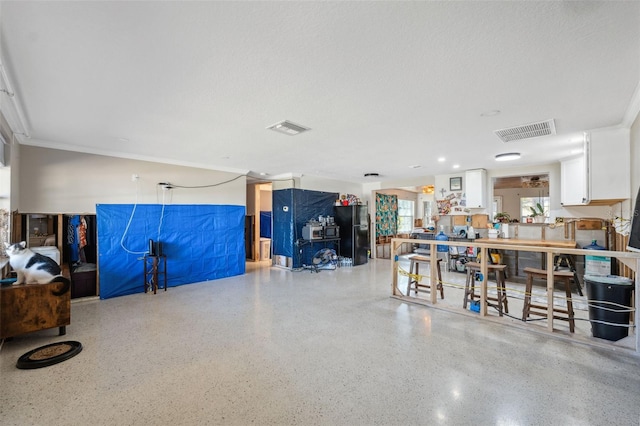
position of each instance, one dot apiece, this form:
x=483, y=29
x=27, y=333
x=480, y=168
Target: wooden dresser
x=32, y=307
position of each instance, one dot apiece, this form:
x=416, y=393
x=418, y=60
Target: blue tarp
x=265, y=224
x=202, y=242
x=292, y=209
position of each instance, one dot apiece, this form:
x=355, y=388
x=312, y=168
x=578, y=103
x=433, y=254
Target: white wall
x=315, y=183
x=55, y=181
x=266, y=198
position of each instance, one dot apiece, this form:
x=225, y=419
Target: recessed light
x=456, y=166
x=507, y=156
x=415, y=166
x=123, y=140
x=491, y=113
x=577, y=151
x=441, y=160
x=371, y=174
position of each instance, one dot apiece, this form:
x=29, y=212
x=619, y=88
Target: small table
x=154, y=267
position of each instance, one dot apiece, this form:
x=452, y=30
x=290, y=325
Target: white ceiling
x=382, y=85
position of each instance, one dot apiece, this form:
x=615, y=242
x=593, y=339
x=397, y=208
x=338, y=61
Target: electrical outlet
x=134, y=177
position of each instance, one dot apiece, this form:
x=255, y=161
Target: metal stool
x=529, y=308
x=501, y=293
x=414, y=269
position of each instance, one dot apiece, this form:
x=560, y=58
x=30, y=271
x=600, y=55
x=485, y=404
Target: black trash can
x=605, y=294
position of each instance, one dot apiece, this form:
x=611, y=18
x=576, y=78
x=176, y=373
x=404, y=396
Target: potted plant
x=502, y=217
x=537, y=213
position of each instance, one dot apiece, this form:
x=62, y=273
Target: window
x=429, y=211
x=405, y=216
x=526, y=203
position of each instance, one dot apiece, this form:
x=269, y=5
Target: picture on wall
x=455, y=184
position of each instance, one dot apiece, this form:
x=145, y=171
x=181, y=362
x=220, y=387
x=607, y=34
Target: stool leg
x=503, y=291
x=499, y=293
x=572, y=268
x=567, y=287
x=409, y=279
x=527, y=297
x=417, y=279
x=440, y=286
x=466, y=288
x=472, y=287
x=577, y=281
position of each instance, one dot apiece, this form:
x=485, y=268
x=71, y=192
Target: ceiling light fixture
x=456, y=166
x=415, y=166
x=288, y=128
x=507, y=156
x=491, y=113
x=428, y=189
x=441, y=160
x=371, y=174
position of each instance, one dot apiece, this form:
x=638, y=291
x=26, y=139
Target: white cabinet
x=573, y=190
x=609, y=165
x=602, y=174
x=476, y=188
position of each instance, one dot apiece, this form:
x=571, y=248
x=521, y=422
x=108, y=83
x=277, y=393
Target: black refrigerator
x=354, y=232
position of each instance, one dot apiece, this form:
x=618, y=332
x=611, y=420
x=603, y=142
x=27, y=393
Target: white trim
x=17, y=109
x=633, y=109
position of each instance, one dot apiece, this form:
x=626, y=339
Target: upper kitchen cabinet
x=476, y=188
x=600, y=176
x=573, y=190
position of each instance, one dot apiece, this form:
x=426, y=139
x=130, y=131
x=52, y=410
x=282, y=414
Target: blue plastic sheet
x=292, y=208
x=265, y=224
x=201, y=242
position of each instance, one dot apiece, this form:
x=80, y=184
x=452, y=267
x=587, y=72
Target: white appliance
x=49, y=251
x=505, y=231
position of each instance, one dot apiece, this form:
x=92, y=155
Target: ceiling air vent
x=533, y=130
x=288, y=128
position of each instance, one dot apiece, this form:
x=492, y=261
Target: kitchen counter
x=533, y=243
x=517, y=260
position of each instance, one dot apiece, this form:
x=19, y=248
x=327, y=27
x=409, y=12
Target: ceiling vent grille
x=288, y=128
x=533, y=130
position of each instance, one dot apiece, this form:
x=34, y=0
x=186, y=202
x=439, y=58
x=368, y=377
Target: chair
x=414, y=269
x=474, y=268
x=530, y=308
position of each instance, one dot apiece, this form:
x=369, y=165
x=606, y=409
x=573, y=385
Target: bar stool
x=529, y=308
x=414, y=269
x=470, y=285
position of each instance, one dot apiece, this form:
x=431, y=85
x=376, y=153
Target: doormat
x=47, y=355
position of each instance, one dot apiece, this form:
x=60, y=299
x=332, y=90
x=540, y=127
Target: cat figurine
x=35, y=268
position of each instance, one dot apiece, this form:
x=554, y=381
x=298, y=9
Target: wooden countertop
x=537, y=243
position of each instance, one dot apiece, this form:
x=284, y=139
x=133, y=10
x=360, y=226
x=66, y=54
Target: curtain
x=386, y=214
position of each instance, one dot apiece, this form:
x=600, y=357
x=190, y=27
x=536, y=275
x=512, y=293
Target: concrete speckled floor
x=274, y=347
